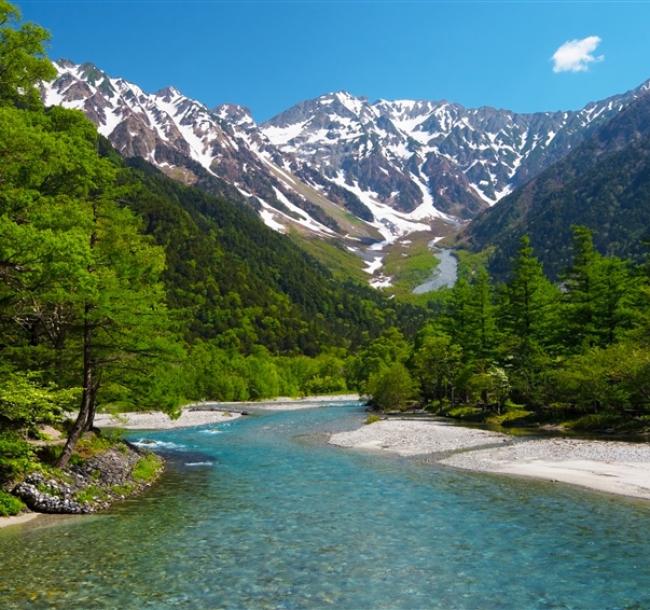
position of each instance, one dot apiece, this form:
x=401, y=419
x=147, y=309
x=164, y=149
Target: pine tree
x=597, y=297
x=580, y=281
x=527, y=316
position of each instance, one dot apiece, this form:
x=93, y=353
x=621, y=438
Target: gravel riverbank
x=203, y=413
x=610, y=466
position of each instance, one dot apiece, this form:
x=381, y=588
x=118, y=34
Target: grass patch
x=92, y=493
x=514, y=417
x=372, y=418
x=466, y=412
x=123, y=490
x=147, y=468
x=92, y=445
x=9, y=505
x=341, y=262
x=409, y=264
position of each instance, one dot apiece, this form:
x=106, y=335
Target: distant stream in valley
x=443, y=275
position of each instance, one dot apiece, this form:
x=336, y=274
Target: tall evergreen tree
x=598, y=292
x=527, y=315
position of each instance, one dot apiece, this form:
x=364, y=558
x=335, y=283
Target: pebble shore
x=610, y=466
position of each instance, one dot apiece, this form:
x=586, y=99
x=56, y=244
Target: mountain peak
x=168, y=93
x=234, y=113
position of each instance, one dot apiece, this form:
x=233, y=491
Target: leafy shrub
x=15, y=456
x=391, y=387
x=9, y=505
x=372, y=418
x=596, y=422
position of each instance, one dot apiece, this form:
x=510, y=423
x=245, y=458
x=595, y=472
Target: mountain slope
x=359, y=174
x=242, y=284
x=406, y=151
x=604, y=184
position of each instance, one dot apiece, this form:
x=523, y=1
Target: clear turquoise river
x=260, y=513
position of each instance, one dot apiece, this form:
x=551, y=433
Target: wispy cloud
x=576, y=55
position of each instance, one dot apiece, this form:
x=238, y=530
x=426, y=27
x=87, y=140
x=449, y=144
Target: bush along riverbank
x=102, y=471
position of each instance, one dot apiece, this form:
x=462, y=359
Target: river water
x=260, y=513
x=444, y=275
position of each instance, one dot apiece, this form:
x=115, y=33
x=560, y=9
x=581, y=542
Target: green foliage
x=147, y=468
x=25, y=402
x=235, y=282
x=372, y=419
x=9, y=505
x=490, y=387
x=388, y=349
x=466, y=412
x=391, y=387
x=560, y=354
x=16, y=456
x=596, y=422
x=615, y=378
x=23, y=64
x=436, y=364
x=213, y=373
x=598, y=291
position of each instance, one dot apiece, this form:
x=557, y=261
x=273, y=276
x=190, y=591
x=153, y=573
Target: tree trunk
x=87, y=406
x=90, y=420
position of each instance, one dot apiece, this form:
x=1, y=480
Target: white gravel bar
x=609, y=466
x=202, y=413
x=410, y=438
x=161, y=421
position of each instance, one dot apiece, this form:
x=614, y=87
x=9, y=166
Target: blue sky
x=270, y=55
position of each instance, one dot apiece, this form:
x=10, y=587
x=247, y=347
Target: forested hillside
x=604, y=184
x=123, y=289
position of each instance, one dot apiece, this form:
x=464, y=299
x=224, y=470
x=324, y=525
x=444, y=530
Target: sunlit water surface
x=261, y=513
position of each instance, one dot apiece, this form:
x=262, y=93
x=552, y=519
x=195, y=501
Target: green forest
x=526, y=350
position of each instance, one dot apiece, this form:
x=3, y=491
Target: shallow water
x=443, y=275
x=262, y=514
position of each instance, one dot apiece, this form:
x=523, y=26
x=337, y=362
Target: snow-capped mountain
x=337, y=166
x=185, y=139
x=407, y=151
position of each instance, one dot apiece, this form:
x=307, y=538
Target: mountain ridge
x=603, y=184
x=338, y=167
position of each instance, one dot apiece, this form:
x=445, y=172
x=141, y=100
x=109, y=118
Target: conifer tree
x=527, y=313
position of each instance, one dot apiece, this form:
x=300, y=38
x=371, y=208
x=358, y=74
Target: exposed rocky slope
x=603, y=184
x=337, y=167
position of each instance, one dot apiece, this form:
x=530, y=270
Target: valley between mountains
x=352, y=180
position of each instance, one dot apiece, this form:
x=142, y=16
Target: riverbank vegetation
x=527, y=350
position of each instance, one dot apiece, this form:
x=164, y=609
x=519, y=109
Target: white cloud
x=576, y=55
